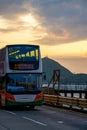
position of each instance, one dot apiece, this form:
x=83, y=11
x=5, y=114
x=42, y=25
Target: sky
x=58, y=26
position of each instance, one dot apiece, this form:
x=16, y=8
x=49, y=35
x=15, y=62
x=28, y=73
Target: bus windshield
x=23, y=82
x=23, y=57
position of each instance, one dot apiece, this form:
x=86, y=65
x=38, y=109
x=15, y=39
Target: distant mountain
x=66, y=76
x=78, y=79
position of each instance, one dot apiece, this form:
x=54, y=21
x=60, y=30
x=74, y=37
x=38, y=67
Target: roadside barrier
x=60, y=101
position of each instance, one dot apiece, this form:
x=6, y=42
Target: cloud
x=9, y=9
x=65, y=19
x=59, y=21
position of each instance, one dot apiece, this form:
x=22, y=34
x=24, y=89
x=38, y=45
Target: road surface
x=42, y=118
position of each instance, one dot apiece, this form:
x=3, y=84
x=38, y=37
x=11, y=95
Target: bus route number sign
x=23, y=66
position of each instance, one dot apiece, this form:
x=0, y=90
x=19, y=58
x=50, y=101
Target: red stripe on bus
x=39, y=96
x=10, y=97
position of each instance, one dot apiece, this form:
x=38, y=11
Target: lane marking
x=11, y=112
x=60, y=122
x=2, y=127
x=37, y=122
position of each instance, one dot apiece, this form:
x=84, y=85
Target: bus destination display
x=23, y=66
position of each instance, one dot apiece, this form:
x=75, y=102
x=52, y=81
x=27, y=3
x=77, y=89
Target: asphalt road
x=42, y=118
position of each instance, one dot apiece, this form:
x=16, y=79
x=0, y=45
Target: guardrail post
x=71, y=94
x=65, y=94
x=80, y=95
x=86, y=94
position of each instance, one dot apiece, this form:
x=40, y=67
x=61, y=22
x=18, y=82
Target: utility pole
x=55, y=80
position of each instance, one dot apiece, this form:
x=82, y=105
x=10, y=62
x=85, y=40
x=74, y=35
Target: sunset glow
x=30, y=20
x=60, y=28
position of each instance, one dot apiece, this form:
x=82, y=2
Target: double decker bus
x=20, y=75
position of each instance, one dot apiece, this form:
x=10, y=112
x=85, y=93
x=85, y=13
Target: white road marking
x=37, y=122
x=60, y=122
x=2, y=127
x=11, y=112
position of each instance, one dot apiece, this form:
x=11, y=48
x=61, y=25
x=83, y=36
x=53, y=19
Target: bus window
x=23, y=57
x=23, y=82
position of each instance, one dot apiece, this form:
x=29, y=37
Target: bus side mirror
x=44, y=77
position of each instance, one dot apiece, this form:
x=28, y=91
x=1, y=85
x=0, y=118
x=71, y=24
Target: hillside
x=66, y=76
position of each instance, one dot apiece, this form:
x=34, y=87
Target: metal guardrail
x=51, y=91
x=58, y=100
